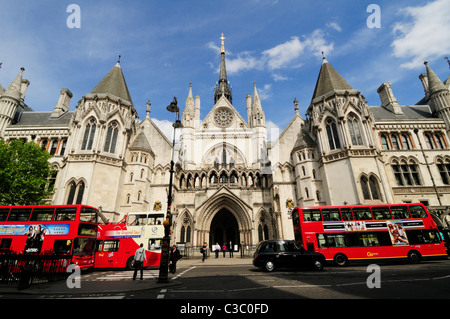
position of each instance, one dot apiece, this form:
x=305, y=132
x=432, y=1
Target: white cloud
x=244, y=61
x=166, y=127
x=283, y=55
x=335, y=26
x=265, y=92
x=425, y=35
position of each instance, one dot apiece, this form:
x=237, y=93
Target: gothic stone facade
x=230, y=182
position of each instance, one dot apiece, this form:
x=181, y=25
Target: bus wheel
x=340, y=260
x=269, y=266
x=130, y=263
x=414, y=257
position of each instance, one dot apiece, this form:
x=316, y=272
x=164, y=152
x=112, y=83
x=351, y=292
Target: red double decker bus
x=53, y=229
x=369, y=232
x=117, y=243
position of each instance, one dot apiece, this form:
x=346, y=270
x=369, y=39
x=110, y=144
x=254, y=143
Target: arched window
x=89, y=134
x=405, y=141
x=406, y=173
x=444, y=170
x=333, y=137
x=370, y=188
x=76, y=192
x=353, y=127
x=111, y=138
x=385, y=142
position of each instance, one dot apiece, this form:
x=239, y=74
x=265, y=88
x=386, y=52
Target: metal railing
x=24, y=270
x=194, y=251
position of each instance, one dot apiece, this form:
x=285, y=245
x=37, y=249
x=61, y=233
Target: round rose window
x=223, y=118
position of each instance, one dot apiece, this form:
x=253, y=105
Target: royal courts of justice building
x=230, y=183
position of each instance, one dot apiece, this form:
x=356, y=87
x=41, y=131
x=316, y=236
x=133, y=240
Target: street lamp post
x=165, y=247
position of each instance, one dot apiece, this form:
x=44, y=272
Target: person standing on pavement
x=241, y=248
x=224, y=249
x=139, y=258
x=231, y=249
x=204, y=250
x=174, y=256
x=216, y=249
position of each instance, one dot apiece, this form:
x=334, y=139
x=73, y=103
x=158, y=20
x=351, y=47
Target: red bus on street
x=369, y=232
x=117, y=243
x=50, y=229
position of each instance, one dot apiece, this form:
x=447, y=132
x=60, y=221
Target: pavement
x=120, y=286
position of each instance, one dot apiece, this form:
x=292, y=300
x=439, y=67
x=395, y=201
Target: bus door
x=106, y=253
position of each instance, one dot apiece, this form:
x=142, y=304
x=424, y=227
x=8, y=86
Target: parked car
x=273, y=254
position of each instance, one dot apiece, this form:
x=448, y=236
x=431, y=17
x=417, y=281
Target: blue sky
x=165, y=45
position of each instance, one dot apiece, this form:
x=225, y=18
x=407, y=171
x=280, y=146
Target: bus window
x=311, y=215
x=362, y=213
x=62, y=246
x=42, y=214
x=321, y=242
x=87, y=230
x=331, y=214
x=423, y=236
x=418, y=211
x=65, y=213
x=5, y=244
x=137, y=219
x=83, y=246
x=155, y=219
x=400, y=212
x=154, y=244
x=381, y=213
x=111, y=245
x=346, y=214
x=88, y=214
x=4, y=214
x=19, y=214
x=336, y=240
x=98, y=245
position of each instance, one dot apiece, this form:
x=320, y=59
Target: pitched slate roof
x=409, y=112
x=114, y=83
x=42, y=119
x=141, y=143
x=329, y=80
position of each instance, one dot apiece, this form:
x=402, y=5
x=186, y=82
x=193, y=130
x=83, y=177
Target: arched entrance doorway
x=224, y=228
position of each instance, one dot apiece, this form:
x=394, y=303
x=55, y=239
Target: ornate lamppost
x=165, y=247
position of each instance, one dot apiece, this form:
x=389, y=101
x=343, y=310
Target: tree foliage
x=24, y=173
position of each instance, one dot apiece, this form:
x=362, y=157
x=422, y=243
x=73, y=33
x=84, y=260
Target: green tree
x=24, y=173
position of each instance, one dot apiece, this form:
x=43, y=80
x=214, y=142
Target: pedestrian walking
x=241, y=247
x=139, y=258
x=224, y=249
x=231, y=249
x=204, y=250
x=174, y=256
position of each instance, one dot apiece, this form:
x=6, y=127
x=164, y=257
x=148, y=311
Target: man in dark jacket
x=174, y=256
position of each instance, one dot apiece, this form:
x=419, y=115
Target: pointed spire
x=189, y=108
x=149, y=104
x=434, y=83
x=329, y=80
x=257, y=111
x=222, y=88
x=114, y=83
x=14, y=88
x=222, y=49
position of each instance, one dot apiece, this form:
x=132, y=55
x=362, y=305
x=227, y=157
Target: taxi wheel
x=269, y=266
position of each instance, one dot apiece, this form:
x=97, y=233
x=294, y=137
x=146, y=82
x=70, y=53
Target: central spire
x=223, y=87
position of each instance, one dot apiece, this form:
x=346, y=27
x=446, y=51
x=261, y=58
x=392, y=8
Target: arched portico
x=224, y=216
